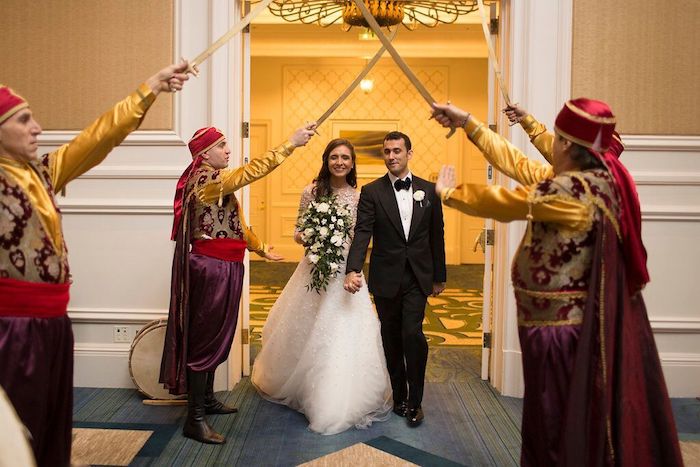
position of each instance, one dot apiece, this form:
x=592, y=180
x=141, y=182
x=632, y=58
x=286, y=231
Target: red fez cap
x=204, y=139
x=10, y=103
x=587, y=122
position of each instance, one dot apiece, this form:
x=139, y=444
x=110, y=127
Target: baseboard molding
x=102, y=365
x=682, y=373
x=513, y=384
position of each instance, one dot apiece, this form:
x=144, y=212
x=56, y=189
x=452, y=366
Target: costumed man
x=594, y=388
x=210, y=241
x=36, y=339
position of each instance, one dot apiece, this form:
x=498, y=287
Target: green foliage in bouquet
x=325, y=229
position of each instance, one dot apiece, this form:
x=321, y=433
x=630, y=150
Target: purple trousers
x=36, y=371
x=549, y=353
x=215, y=294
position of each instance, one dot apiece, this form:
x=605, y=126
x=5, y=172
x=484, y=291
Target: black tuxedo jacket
x=378, y=218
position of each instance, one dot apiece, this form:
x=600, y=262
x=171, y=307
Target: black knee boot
x=211, y=404
x=196, y=426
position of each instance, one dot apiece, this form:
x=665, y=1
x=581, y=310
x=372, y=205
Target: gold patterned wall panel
x=309, y=91
x=73, y=59
x=288, y=92
x=640, y=56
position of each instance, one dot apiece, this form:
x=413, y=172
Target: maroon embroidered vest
x=27, y=252
x=551, y=274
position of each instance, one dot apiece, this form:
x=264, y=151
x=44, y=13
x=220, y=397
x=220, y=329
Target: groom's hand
x=353, y=282
x=438, y=287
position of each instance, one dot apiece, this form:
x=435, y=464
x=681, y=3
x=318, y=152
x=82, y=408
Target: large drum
x=144, y=360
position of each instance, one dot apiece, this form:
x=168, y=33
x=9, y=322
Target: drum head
x=144, y=360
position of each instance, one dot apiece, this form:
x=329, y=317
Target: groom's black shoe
x=414, y=417
x=401, y=408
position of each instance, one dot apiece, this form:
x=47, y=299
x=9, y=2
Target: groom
x=404, y=217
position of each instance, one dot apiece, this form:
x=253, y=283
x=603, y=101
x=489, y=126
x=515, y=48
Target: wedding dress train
x=322, y=353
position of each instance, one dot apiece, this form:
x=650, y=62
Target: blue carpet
x=411, y=454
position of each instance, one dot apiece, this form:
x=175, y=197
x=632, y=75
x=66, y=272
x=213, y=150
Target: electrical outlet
x=121, y=334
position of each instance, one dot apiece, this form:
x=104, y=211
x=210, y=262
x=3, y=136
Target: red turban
x=203, y=140
x=587, y=122
x=10, y=103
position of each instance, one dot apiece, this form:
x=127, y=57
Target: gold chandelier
x=429, y=13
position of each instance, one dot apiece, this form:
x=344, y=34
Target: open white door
x=234, y=103
x=245, y=192
x=486, y=239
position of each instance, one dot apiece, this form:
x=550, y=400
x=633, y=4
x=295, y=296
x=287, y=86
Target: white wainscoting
x=117, y=218
x=667, y=172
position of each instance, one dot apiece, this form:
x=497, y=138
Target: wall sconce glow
x=367, y=85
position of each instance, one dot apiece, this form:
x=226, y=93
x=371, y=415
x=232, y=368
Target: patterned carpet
x=452, y=319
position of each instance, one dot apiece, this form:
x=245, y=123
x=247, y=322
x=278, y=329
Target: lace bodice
x=347, y=196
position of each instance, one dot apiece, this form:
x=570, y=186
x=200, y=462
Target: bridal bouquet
x=325, y=228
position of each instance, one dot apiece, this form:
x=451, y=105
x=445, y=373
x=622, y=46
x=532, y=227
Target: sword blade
x=374, y=26
x=238, y=27
x=492, y=53
x=355, y=82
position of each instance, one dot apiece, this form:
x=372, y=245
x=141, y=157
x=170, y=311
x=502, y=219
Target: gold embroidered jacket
x=215, y=211
x=31, y=237
x=552, y=266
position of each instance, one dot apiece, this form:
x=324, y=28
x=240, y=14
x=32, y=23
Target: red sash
x=226, y=249
x=22, y=299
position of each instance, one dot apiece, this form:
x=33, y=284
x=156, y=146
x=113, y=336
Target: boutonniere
x=419, y=196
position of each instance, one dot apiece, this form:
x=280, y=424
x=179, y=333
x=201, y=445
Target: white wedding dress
x=322, y=353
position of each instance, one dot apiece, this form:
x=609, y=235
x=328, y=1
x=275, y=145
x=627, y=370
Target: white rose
x=313, y=259
x=308, y=232
x=337, y=240
x=334, y=267
x=419, y=195
x=315, y=247
x=340, y=223
x=323, y=207
x=323, y=232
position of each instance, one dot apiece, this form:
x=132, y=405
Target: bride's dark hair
x=323, y=180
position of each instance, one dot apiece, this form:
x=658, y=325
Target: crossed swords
x=386, y=46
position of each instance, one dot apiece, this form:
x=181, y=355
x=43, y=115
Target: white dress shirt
x=404, y=198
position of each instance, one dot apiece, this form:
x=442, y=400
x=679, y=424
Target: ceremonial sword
x=492, y=53
x=374, y=26
x=354, y=84
x=238, y=27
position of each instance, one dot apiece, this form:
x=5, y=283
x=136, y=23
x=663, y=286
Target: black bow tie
x=402, y=184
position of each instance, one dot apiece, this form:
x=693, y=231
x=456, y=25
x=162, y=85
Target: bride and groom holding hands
x=326, y=354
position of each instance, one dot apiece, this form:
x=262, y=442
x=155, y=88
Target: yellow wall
x=286, y=92
x=640, y=56
x=72, y=60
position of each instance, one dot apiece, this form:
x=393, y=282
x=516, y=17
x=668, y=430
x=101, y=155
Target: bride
x=322, y=353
